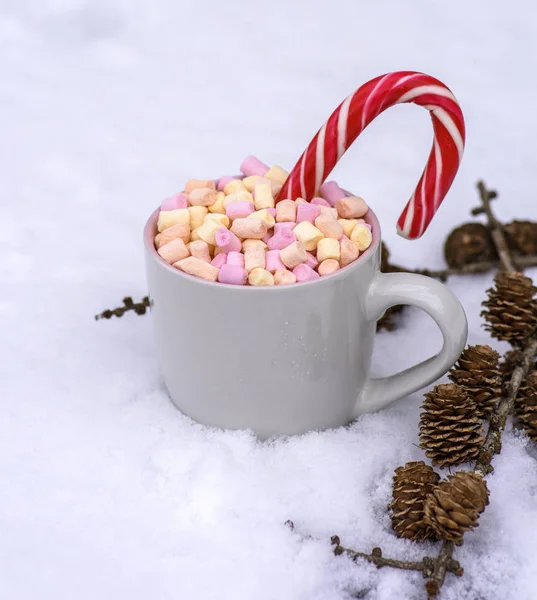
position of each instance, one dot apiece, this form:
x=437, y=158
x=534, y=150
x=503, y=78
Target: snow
x=107, y=491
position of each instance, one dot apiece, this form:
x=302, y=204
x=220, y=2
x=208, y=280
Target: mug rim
x=150, y=230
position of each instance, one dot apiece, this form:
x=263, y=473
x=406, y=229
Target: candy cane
x=355, y=113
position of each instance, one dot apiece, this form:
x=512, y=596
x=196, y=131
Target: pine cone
x=454, y=505
x=477, y=372
x=450, y=431
x=522, y=236
x=511, y=314
x=468, y=244
x=411, y=485
x=526, y=405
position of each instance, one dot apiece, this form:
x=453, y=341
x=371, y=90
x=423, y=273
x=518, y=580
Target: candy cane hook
x=355, y=113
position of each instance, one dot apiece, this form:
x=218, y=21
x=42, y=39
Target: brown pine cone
x=526, y=405
x=511, y=313
x=450, y=429
x=522, y=236
x=411, y=485
x=477, y=372
x=454, y=506
x=468, y=244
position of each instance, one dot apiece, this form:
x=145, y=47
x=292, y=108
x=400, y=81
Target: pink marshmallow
x=174, y=202
x=303, y=272
x=331, y=191
x=343, y=237
x=312, y=261
x=253, y=166
x=223, y=181
x=268, y=236
x=219, y=260
x=285, y=226
x=281, y=240
x=235, y=259
x=239, y=210
x=273, y=261
x=232, y=274
x=227, y=240
x=320, y=202
x=271, y=211
x=307, y=212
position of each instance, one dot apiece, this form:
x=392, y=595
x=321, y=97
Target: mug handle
x=390, y=289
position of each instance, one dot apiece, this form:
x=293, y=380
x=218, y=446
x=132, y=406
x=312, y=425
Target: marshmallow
x=277, y=174
x=348, y=225
x=351, y=207
x=200, y=249
x=227, y=240
x=253, y=166
x=320, y=202
x=232, y=274
x=173, y=251
x=285, y=211
x=304, y=273
x=328, y=212
x=219, y=260
x=281, y=240
x=167, y=218
x=239, y=210
x=218, y=207
x=362, y=236
x=264, y=215
x=207, y=231
x=217, y=218
x=251, y=181
x=240, y=196
x=273, y=261
x=197, y=267
x=194, y=237
x=328, y=248
x=202, y=197
x=308, y=234
x=331, y=192
x=253, y=243
x=329, y=227
x=249, y=228
x=300, y=201
x=197, y=216
x=327, y=267
x=181, y=231
x=288, y=225
x=236, y=259
x=260, y=277
x=307, y=212
x=223, y=181
x=254, y=258
x=312, y=261
x=193, y=184
x=270, y=234
x=349, y=252
x=234, y=186
x=174, y=202
x=271, y=211
x=284, y=277
x=293, y=255
x=263, y=196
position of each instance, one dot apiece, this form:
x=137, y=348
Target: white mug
x=289, y=359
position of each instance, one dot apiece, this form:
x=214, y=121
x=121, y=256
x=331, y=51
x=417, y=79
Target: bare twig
x=138, y=307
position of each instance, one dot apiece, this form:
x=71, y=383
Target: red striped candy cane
x=355, y=113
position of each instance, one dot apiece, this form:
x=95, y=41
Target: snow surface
x=106, y=490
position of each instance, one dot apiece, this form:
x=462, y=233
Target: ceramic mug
x=289, y=359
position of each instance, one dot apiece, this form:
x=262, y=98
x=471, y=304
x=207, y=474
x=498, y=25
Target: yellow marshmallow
x=218, y=206
x=249, y=243
x=284, y=277
x=328, y=226
x=197, y=215
x=254, y=258
x=362, y=237
x=263, y=196
x=234, y=186
x=328, y=248
x=173, y=251
x=208, y=230
x=260, y=277
x=308, y=234
x=252, y=181
x=277, y=174
x=327, y=211
x=218, y=218
x=194, y=236
x=264, y=215
x=348, y=225
x=240, y=196
x=293, y=255
x=168, y=218
x=199, y=268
